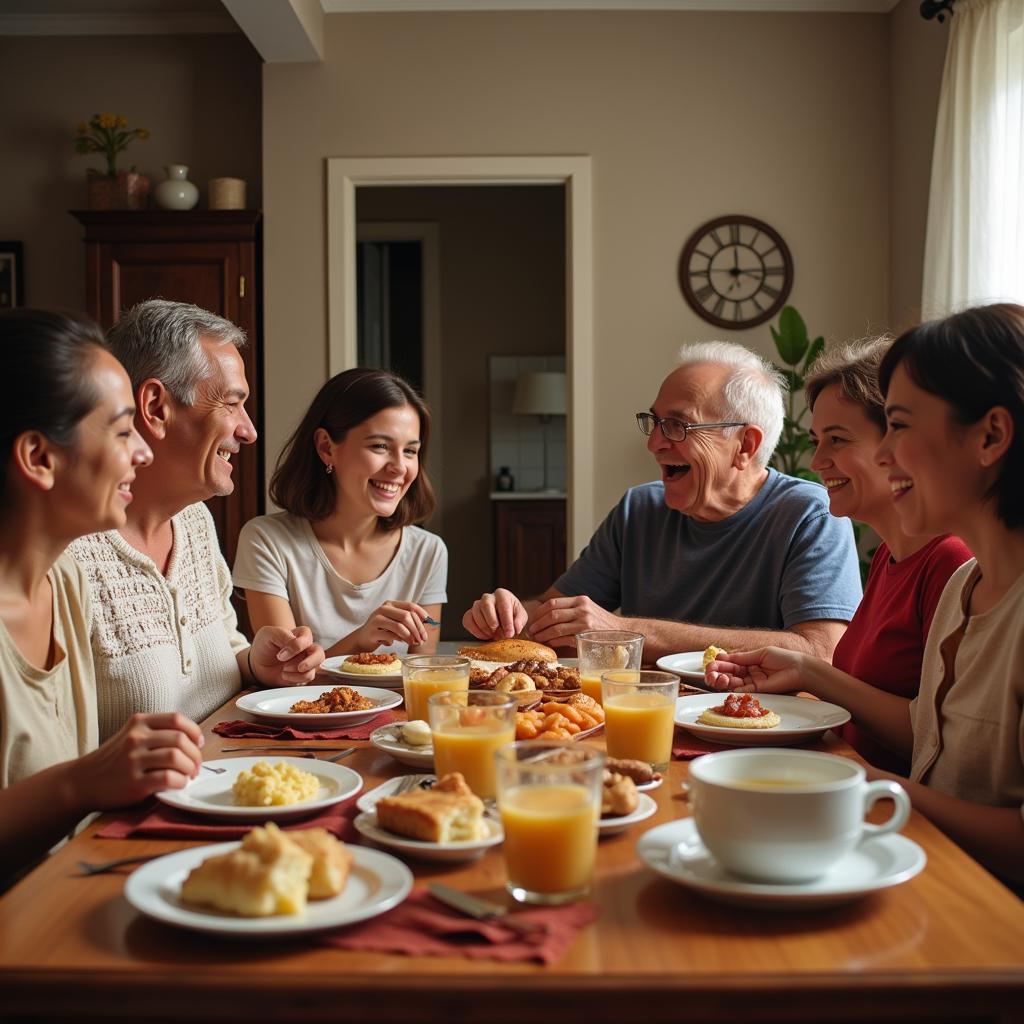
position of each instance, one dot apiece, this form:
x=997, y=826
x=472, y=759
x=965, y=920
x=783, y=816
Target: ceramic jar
x=177, y=192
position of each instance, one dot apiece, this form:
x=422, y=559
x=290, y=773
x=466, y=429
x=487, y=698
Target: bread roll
x=515, y=682
x=515, y=649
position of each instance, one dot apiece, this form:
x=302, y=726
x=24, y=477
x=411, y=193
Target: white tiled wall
x=518, y=441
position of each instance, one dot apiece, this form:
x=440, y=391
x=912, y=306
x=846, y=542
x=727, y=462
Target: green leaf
x=791, y=339
x=813, y=352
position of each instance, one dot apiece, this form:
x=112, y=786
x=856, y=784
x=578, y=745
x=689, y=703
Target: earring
x=328, y=469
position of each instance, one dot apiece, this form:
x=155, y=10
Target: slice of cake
x=448, y=813
x=332, y=861
x=268, y=874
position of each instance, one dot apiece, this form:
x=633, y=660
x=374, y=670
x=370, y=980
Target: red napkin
x=685, y=746
x=423, y=927
x=254, y=730
x=154, y=820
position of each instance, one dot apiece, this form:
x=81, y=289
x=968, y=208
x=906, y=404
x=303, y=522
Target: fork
x=210, y=768
x=90, y=868
x=410, y=782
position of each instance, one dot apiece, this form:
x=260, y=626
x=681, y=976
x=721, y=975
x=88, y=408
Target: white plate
x=210, y=793
x=376, y=883
x=675, y=851
x=613, y=826
x=366, y=824
x=369, y=799
x=646, y=787
x=275, y=705
x=389, y=739
x=802, y=719
x=332, y=666
x=689, y=665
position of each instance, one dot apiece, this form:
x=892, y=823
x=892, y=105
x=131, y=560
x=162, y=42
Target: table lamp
x=541, y=394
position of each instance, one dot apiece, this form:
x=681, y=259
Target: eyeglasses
x=673, y=429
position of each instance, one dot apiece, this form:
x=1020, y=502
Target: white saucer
x=366, y=825
x=389, y=739
x=613, y=826
x=675, y=851
x=646, y=787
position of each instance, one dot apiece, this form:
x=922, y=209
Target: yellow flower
x=82, y=128
x=108, y=120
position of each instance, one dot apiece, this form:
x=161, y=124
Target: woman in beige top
x=70, y=452
x=954, y=450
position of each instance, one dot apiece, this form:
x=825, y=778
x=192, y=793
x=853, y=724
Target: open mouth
x=672, y=472
x=899, y=486
x=225, y=453
x=834, y=483
x=387, y=490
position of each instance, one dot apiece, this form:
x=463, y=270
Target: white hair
x=753, y=393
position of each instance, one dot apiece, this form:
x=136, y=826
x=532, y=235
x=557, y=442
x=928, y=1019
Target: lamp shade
x=540, y=394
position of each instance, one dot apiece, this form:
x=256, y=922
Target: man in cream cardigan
x=165, y=635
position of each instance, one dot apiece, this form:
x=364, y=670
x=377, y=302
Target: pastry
x=515, y=649
x=332, y=861
x=740, y=711
x=448, y=813
x=639, y=771
x=268, y=874
x=515, y=682
x=545, y=675
x=372, y=664
x=618, y=795
x=710, y=654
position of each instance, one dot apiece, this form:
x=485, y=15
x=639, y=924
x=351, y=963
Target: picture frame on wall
x=12, y=275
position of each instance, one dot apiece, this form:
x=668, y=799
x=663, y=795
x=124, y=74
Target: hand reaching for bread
x=496, y=616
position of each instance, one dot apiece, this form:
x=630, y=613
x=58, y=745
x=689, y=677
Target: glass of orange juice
x=639, y=714
x=426, y=674
x=467, y=728
x=599, y=650
x=549, y=796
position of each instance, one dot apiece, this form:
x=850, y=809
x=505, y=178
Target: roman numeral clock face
x=736, y=272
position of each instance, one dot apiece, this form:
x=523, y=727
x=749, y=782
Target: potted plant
x=112, y=189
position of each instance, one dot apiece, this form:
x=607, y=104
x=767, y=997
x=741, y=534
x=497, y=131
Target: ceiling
x=292, y=30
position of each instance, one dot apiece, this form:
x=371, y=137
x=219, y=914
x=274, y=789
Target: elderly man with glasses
x=721, y=550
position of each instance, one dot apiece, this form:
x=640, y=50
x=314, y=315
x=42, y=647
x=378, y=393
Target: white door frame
x=344, y=174
x=428, y=235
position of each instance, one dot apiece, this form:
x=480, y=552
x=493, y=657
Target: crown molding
x=136, y=24
x=750, y=6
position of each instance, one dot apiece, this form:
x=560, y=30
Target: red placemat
x=423, y=927
x=685, y=745
x=260, y=730
x=155, y=820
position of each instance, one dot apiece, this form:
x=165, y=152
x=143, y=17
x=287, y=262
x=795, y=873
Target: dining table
x=947, y=945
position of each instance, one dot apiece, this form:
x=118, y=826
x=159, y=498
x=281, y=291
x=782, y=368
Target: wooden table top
x=948, y=945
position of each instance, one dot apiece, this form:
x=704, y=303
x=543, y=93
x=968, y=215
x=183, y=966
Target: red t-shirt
x=885, y=640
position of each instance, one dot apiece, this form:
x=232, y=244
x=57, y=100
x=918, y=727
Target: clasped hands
x=554, y=622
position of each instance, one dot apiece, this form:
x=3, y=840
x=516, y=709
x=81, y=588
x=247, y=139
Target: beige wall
x=685, y=115
x=917, y=50
x=502, y=293
x=198, y=95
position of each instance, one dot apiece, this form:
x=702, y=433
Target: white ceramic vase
x=177, y=192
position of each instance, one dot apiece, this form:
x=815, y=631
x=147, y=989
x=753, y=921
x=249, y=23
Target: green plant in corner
x=798, y=353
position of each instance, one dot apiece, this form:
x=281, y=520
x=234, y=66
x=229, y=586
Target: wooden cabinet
x=208, y=258
x=529, y=544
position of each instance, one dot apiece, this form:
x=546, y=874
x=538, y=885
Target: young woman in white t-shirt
x=345, y=555
x=70, y=452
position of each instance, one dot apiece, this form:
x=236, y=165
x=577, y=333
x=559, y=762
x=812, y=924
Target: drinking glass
x=599, y=650
x=549, y=796
x=427, y=674
x=467, y=728
x=639, y=714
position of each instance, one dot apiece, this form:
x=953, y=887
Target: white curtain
x=974, y=250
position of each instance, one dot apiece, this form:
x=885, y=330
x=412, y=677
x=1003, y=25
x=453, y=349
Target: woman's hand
x=392, y=621
x=149, y=753
x=284, y=657
x=767, y=670
x=497, y=616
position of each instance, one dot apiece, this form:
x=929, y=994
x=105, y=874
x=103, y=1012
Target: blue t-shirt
x=780, y=560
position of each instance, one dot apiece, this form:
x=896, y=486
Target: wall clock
x=736, y=272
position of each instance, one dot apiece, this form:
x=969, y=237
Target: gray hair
x=161, y=339
x=753, y=392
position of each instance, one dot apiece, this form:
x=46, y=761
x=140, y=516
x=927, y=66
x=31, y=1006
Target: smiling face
x=930, y=460
x=376, y=462
x=94, y=486
x=700, y=474
x=846, y=438
x=209, y=433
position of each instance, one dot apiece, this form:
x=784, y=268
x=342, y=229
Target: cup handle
x=875, y=791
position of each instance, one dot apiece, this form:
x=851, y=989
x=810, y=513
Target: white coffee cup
x=779, y=815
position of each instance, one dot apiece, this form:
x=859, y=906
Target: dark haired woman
x=954, y=449
x=70, y=452
x=345, y=557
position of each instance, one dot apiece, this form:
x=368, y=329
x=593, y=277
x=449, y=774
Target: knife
x=234, y=750
x=484, y=910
